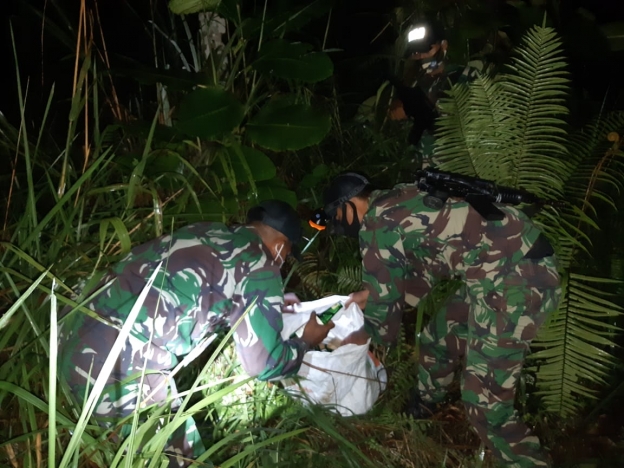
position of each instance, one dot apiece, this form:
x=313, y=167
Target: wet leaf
x=209, y=112
x=281, y=125
x=286, y=60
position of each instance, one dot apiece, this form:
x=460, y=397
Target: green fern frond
x=311, y=275
x=535, y=94
x=347, y=280
x=595, y=167
x=572, y=362
x=566, y=233
x=468, y=114
x=508, y=128
x=318, y=281
x=594, y=163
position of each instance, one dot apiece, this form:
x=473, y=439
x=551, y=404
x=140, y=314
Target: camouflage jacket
x=406, y=247
x=210, y=275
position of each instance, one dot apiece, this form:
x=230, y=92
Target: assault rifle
x=480, y=193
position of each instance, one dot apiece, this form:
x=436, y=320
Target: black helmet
x=345, y=186
x=280, y=216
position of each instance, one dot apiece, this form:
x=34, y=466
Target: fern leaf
x=572, y=359
x=509, y=128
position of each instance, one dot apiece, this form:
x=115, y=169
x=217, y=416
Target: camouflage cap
x=280, y=216
x=344, y=187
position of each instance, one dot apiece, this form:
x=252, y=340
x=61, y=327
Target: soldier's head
x=423, y=35
x=279, y=227
x=346, y=201
x=426, y=42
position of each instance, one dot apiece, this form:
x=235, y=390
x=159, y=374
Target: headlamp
x=319, y=219
x=416, y=34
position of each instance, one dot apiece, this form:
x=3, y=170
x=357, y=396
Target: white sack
x=349, y=377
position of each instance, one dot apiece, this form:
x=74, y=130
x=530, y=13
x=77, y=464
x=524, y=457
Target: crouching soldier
x=511, y=285
x=210, y=275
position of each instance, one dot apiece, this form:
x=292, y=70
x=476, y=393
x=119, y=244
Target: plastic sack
x=349, y=378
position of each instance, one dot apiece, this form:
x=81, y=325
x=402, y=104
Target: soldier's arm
x=384, y=274
x=261, y=349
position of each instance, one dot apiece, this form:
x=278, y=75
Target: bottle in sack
x=329, y=314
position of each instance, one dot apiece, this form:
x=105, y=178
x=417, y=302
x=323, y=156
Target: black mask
x=342, y=227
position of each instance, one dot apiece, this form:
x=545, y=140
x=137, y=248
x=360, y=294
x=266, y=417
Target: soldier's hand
x=290, y=299
x=314, y=332
x=360, y=298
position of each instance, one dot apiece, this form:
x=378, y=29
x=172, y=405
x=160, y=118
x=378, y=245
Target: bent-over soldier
x=511, y=285
x=210, y=275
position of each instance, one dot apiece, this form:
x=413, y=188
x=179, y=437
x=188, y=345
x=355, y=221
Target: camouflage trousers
x=82, y=353
x=488, y=325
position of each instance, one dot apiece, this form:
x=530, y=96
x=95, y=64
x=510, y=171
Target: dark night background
x=596, y=72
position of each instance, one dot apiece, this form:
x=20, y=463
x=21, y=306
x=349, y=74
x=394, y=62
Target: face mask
x=278, y=255
x=342, y=227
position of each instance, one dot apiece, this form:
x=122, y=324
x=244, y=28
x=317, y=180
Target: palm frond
x=311, y=275
x=348, y=279
x=508, y=128
x=465, y=143
x=318, y=279
x=595, y=169
x=572, y=362
x=576, y=344
x=535, y=95
x=594, y=161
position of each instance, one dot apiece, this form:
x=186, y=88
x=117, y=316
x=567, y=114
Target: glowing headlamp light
x=417, y=34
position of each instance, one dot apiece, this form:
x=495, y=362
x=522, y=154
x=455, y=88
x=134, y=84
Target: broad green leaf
x=281, y=126
x=276, y=189
x=315, y=177
x=186, y=7
x=241, y=164
x=163, y=161
x=209, y=112
x=259, y=164
x=293, y=61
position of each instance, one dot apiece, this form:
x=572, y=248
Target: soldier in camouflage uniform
x=511, y=285
x=427, y=75
x=211, y=274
